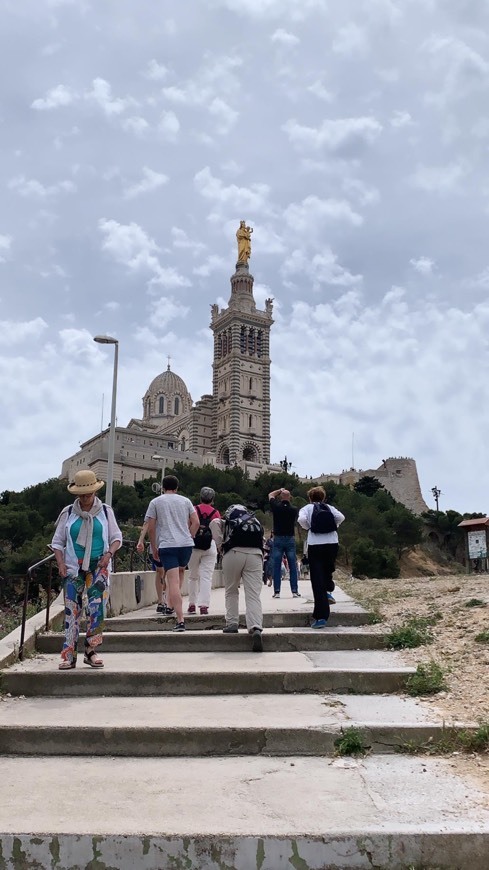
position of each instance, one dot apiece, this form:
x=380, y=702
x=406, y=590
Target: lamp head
x=105, y=339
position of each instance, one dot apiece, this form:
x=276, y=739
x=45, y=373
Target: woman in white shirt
x=321, y=521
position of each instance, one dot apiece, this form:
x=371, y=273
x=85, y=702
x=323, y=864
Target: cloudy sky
x=352, y=136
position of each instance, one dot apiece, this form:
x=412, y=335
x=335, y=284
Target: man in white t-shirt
x=177, y=522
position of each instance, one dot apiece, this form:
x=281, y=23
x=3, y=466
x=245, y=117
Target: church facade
x=231, y=426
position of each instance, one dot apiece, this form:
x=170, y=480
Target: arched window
x=177, y=405
x=259, y=343
x=161, y=405
x=250, y=420
x=251, y=342
x=249, y=453
x=230, y=340
x=242, y=340
x=225, y=344
x=219, y=346
x=184, y=443
x=251, y=383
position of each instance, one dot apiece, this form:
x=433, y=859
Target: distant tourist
x=85, y=539
x=204, y=555
x=160, y=582
x=321, y=520
x=172, y=524
x=241, y=536
x=284, y=520
x=268, y=560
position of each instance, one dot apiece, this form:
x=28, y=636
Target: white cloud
x=438, y=178
x=155, y=71
x=462, y=69
x=165, y=309
x=239, y=199
x=181, y=240
x=130, y=245
x=101, y=94
x=401, y=119
x=335, y=135
x=225, y=116
x=56, y=97
x=351, y=39
x=295, y=9
x=322, y=269
x=31, y=187
x=169, y=126
x=150, y=181
x=306, y=216
x=320, y=91
x=423, y=265
x=14, y=332
x=364, y=194
x=5, y=246
x=212, y=89
x=137, y=125
x=213, y=263
x=283, y=37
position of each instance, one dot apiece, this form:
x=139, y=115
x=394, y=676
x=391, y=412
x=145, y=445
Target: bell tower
x=241, y=369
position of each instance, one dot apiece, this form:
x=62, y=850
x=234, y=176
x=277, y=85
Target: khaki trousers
x=244, y=565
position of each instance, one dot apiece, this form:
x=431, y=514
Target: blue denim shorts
x=174, y=557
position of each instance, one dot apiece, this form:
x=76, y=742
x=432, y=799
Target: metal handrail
x=26, y=599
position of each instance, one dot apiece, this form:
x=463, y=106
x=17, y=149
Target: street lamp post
x=158, y=486
x=436, y=495
x=285, y=464
x=107, y=339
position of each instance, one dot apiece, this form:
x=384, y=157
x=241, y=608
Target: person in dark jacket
x=284, y=520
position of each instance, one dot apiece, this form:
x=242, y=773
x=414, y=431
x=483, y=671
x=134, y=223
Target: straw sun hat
x=85, y=482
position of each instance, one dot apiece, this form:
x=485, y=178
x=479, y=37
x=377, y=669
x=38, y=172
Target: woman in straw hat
x=85, y=539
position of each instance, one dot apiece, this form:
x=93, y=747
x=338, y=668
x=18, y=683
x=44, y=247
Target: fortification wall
x=398, y=475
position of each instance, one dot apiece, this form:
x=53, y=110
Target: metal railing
x=28, y=579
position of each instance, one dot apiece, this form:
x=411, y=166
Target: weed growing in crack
x=350, y=743
x=475, y=602
x=482, y=637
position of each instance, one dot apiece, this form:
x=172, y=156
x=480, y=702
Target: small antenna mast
x=353, y=450
x=102, y=417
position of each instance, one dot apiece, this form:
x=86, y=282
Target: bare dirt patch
x=464, y=660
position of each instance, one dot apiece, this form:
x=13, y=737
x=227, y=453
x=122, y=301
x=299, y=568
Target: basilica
x=231, y=426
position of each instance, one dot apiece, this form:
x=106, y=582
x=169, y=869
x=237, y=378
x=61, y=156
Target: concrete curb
x=83, y=683
x=203, y=741
x=286, y=619
x=390, y=850
x=216, y=641
x=9, y=645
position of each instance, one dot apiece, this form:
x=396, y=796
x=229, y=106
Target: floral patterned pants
x=95, y=583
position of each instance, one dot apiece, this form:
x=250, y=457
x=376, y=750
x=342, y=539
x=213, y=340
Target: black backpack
x=241, y=529
x=203, y=535
x=322, y=519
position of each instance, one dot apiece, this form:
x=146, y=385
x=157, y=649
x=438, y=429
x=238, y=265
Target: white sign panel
x=477, y=544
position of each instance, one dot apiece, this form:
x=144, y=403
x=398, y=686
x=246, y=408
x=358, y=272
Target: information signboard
x=477, y=544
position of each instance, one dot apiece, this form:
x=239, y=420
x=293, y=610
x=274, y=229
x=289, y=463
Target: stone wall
x=122, y=598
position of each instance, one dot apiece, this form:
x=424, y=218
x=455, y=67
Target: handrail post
x=26, y=601
x=24, y=613
x=48, y=603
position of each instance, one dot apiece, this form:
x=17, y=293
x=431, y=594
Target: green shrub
x=414, y=632
x=428, y=680
x=370, y=561
x=482, y=637
x=475, y=602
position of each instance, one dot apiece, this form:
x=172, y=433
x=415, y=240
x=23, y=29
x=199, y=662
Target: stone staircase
x=190, y=751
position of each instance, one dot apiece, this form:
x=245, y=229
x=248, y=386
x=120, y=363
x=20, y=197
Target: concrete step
x=277, y=640
x=346, y=615
x=137, y=674
x=220, y=725
x=242, y=813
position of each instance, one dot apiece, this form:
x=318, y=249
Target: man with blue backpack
x=321, y=521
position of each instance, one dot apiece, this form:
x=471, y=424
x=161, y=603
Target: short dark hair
x=170, y=482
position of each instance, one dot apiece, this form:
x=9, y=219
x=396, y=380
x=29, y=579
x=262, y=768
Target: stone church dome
x=166, y=397
x=167, y=383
